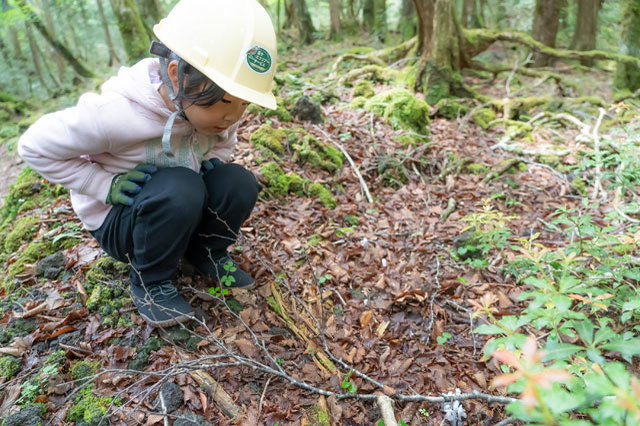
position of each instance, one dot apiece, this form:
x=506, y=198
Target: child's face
x=216, y=118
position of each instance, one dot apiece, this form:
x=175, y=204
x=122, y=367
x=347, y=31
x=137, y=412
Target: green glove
x=125, y=186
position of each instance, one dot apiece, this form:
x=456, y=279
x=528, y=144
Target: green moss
x=314, y=240
x=627, y=76
x=323, y=193
x=477, y=169
x=89, y=408
x=9, y=366
x=281, y=112
x=319, y=417
x=82, y=369
x=358, y=102
x=363, y=88
x=401, y=110
x=22, y=231
x=297, y=184
x=106, y=269
x=548, y=159
x=484, y=117
x=277, y=181
x=311, y=150
x=448, y=108
x=579, y=185
x=360, y=50
x=152, y=344
x=266, y=137
x=32, y=253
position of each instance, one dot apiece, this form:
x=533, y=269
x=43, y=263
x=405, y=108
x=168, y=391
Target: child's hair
x=194, y=82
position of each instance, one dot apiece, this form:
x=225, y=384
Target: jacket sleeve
x=224, y=149
x=54, y=146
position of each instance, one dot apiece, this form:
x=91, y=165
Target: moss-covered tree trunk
x=78, y=67
x=134, y=35
x=406, y=23
x=586, y=28
x=151, y=13
x=545, y=27
x=48, y=19
x=35, y=56
x=627, y=76
x=303, y=19
x=368, y=15
x=15, y=42
x=335, y=9
x=440, y=50
x=289, y=14
x=471, y=15
x=113, y=58
x=380, y=24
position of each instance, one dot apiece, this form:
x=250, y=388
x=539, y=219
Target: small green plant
x=348, y=384
x=324, y=278
x=423, y=412
x=218, y=292
x=228, y=279
x=443, y=338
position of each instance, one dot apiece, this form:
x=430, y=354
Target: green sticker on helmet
x=259, y=59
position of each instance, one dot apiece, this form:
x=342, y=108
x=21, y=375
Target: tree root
x=559, y=79
x=477, y=41
x=375, y=72
x=380, y=58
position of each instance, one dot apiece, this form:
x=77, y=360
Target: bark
x=584, y=35
x=335, y=8
x=368, y=15
x=545, y=27
x=48, y=18
x=15, y=42
x=134, y=35
x=77, y=66
x=305, y=24
x=151, y=13
x=407, y=24
x=380, y=24
x=425, y=10
x=628, y=75
x=290, y=14
x=34, y=55
x=113, y=58
x=470, y=14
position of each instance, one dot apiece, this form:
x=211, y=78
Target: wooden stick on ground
x=363, y=184
x=386, y=407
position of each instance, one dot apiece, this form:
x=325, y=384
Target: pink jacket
x=84, y=147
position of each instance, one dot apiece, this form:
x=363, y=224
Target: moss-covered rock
x=317, y=154
x=363, y=88
x=484, y=117
x=477, y=169
x=579, y=186
x=269, y=139
x=401, y=110
x=281, y=112
x=279, y=184
x=89, y=408
x=9, y=366
x=358, y=102
x=32, y=253
x=82, y=369
x=451, y=109
x=23, y=230
x=142, y=357
x=323, y=193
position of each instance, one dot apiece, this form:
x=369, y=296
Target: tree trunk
x=289, y=14
x=627, y=75
x=34, y=55
x=440, y=48
x=406, y=24
x=59, y=47
x=305, y=24
x=151, y=13
x=15, y=42
x=335, y=8
x=471, y=14
x=48, y=18
x=545, y=27
x=134, y=35
x=113, y=58
x=380, y=23
x=368, y=15
x=586, y=30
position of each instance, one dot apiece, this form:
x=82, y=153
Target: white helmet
x=232, y=42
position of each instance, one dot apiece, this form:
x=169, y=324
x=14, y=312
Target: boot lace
x=163, y=292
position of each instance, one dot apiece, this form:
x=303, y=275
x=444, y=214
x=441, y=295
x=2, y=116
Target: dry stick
x=597, y=185
x=264, y=392
x=164, y=408
x=363, y=184
x=386, y=407
x=432, y=301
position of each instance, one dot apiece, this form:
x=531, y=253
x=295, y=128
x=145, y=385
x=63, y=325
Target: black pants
x=179, y=213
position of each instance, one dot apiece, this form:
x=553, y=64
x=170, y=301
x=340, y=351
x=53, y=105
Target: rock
x=31, y=415
x=51, y=266
x=172, y=395
x=190, y=419
x=307, y=110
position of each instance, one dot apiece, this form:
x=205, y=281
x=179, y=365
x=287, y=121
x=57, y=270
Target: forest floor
x=380, y=278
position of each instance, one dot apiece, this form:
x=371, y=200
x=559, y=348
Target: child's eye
x=224, y=101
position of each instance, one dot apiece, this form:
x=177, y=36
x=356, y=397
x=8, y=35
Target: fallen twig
x=386, y=408
x=597, y=185
x=363, y=184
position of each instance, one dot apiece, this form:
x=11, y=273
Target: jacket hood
x=139, y=84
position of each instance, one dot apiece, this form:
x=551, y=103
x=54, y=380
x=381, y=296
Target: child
x=145, y=159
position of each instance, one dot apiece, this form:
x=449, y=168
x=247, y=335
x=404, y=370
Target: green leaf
x=556, y=350
x=539, y=283
x=627, y=348
x=632, y=304
x=488, y=329
x=585, y=330
x=568, y=282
